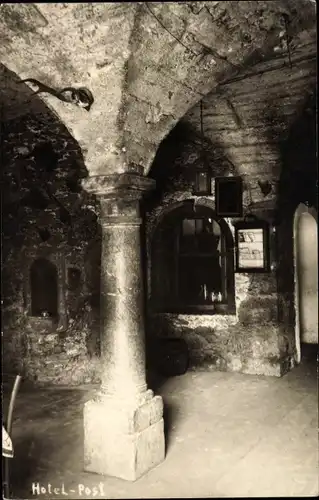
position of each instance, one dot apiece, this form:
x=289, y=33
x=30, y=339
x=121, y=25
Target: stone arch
x=198, y=62
x=184, y=207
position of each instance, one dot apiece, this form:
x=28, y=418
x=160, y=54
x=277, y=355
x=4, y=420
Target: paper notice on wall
x=7, y=448
x=251, y=248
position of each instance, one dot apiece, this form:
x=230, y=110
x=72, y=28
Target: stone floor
x=228, y=435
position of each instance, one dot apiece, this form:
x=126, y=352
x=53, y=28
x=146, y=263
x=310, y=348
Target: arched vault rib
x=146, y=64
x=167, y=77
x=77, y=45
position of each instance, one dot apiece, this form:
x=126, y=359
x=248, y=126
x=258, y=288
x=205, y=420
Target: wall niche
x=74, y=279
x=44, y=289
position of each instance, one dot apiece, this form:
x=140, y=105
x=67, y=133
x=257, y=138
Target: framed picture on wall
x=252, y=247
x=229, y=196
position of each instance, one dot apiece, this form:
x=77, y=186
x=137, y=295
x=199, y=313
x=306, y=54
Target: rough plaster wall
x=247, y=341
x=66, y=351
x=307, y=255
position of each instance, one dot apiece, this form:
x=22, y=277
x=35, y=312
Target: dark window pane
x=188, y=242
x=202, y=182
x=208, y=243
x=200, y=280
x=200, y=235
x=188, y=227
x=199, y=224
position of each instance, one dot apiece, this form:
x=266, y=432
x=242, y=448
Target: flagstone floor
x=227, y=435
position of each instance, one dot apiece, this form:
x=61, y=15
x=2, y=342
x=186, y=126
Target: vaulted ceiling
x=251, y=115
x=148, y=64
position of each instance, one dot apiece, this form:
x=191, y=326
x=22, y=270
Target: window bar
x=224, y=268
x=179, y=233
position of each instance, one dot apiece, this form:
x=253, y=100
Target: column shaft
x=122, y=315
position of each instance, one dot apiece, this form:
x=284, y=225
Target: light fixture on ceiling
x=202, y=183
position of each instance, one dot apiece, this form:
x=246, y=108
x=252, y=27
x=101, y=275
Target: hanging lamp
x=202, y=183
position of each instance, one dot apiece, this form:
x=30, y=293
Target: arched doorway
x=306, y=277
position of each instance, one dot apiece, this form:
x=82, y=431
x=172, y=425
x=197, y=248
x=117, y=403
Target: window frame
x=172, y=304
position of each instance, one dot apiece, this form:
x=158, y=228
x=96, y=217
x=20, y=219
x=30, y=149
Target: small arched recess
x=192, y=262
x=304, y=267
x=44, y=288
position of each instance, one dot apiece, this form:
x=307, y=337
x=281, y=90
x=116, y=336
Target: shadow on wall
x=179, y=153
x=299, y=174
x=44, y=207
x=298, y=183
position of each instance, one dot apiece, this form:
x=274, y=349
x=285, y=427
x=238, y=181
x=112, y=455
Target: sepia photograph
x=159, y=249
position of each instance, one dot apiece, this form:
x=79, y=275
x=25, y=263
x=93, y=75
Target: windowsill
x=47, y=324
x=214, y=309
x=43, y=318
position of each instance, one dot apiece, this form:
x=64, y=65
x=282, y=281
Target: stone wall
x=46, y=214
x=248, y=341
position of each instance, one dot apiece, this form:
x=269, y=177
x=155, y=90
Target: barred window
x=193, y=263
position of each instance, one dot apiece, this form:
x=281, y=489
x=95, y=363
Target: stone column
x=123, y=425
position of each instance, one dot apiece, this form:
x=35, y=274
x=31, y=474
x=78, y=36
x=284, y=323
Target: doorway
x=306, y=280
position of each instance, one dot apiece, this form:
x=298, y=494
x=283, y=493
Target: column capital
x=127, y=185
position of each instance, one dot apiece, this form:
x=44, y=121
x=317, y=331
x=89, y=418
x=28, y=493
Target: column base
x=123, y=439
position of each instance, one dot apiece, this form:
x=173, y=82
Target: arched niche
x=305, y=276
x=44, y=288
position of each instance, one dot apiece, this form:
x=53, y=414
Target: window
x=193, y=263
x=44, y=288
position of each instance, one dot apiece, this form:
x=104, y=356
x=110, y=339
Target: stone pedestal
x=123, y=425
x=124, y=440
